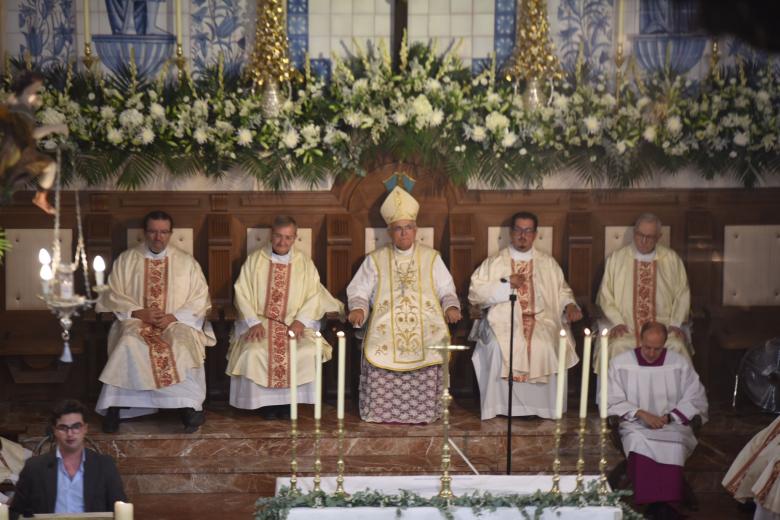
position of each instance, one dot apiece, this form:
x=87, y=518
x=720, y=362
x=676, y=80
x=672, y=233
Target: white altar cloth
x=428, y=486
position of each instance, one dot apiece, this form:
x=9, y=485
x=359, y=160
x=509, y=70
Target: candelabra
x=317, y=461
x=556, y=479
x=89, y=58
x=180, y=62
x=445, y=489
x=340, y=463
x=294, y=458
x=603, y=432
x=579, y=486
x=619, y=61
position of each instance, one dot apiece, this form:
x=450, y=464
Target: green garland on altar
x=125, y=131
x=278, y=507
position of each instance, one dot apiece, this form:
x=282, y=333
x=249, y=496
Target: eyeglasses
x=524, y=230
x=642, y=236
x=64, y=428
x=154, y=232
x=408, y=228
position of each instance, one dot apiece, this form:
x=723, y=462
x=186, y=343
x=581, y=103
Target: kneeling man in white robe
x=543, y=298
x=656, y=393
x=157, y=345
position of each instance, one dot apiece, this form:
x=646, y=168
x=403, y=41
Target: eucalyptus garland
x=279, y=506
x=125, y=130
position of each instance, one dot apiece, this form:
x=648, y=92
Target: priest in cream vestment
x=656, y=393
x=644, y=282
x=755, y=473
x=544, y=299
x=407, y=295
x=278, y=293
x=157, y=345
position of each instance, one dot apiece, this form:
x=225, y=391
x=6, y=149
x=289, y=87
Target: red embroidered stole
x=155, y=295
x=526, y=299
x=740, y=476
x=644, y=294
x=277, y=293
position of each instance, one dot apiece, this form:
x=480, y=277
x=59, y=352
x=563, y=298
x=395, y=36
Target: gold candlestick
x=294, y=458
x=714, y=60
x=180, y=62
x=445, y=490
x=89, y=59
x=556, y=486
x=603, y=432
x=619, y=60
x=340, y=463
x=317, y=462
x=579, y=486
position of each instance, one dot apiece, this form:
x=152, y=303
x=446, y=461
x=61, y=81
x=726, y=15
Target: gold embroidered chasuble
x=540, y=304
x=141, y=356
x=406, y=316
x=756, y=464
x=634, y=292
x=276, y=294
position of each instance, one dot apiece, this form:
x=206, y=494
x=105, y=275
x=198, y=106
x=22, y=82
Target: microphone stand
x=512, y=300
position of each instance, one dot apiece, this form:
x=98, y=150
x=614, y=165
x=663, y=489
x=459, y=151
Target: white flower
x=157, y=111
x=229, y=108
x=200, y=108
x=224, y=127
x=437, y=116
x=50, y=116
x=422, y=107
x=400, y=118
x=114, y=136
x=353, y=119
x=523, y=151
x=200, y=135
x=478, y=134
x=334, y=136
x=493, y=98
x=359, y=85
x=768, y=141
x=762, y=96
x=621, y=147
x=146, y=135
x=674, y=125
x=509, y=139
x=561, y=102
x=741, y=139
x=91, y=96
x=131, y=117
x=432, y=85
x=649, y=133
x=733, y=154
x=244, y=137
x=608, y=100
x=311, y=133
x=592, y=124
x=107, y=112
x=496, y=122
x=290, y=138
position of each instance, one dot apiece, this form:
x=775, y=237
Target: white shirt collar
x=281, y=259
x=523, y=256
x=156, y=256
x=401, y=252
x=644, y=257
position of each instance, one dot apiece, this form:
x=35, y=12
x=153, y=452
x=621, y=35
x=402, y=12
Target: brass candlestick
x=445, y=490
x=556, y=486
x=294, y=458
x=180, y=61
x=714, y=60
x=579, y=486
x=317, y=462
x=604, y=431
x=89, y=58
x=619, y=60
x=340, y=463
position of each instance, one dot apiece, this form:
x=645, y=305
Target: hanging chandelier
x=58, y=289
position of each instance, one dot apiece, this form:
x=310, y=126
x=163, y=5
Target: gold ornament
x=533, y=58
x=270, y=62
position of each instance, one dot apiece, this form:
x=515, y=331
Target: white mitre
x=399, y=205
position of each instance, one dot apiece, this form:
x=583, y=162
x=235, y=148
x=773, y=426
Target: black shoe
x=192, y=419
x=111, y=420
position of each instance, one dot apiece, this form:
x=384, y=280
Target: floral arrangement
x=429, y=110
x=278, y=507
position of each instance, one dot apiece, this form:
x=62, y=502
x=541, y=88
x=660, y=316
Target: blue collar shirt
x=70, y=490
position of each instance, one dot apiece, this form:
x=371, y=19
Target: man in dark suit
x=71, y=479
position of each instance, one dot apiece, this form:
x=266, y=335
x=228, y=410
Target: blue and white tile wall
x=52, y=31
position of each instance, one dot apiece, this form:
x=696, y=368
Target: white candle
x=87, y=36
x=3, y=512
x=318, y=377
x=99, y=265
x=123, y=511
x=177, y=22
x=561, y=376
x=585, y=375
x=620, y=11
x=293, y=376
x=66, y=289
x=603, y=377
x=46, y=276
x=342, y=365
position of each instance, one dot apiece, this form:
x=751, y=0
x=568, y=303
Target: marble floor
x=236, y=456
